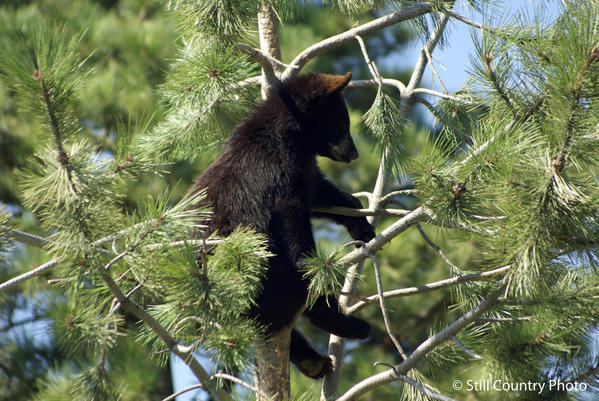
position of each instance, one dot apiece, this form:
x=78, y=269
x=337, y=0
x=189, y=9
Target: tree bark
x=268, y=30
x=272, y=365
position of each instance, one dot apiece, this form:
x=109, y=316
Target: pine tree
x=508, y=181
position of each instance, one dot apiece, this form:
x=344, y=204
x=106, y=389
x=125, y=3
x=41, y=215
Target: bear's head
x=320, y=104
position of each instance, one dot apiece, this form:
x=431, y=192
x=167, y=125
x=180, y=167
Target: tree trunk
x=272, y=352
x=268, y=30
x=272, y=365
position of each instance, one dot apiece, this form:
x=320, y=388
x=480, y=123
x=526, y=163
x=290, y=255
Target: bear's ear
x=336, y=83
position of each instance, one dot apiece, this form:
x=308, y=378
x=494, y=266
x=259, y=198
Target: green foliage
x=384, y=122
x=91, y=385
x=204, y=100
x=207, y=299
x=223, y=20
x=325, y=275
x=82, y=329
x=45, y=71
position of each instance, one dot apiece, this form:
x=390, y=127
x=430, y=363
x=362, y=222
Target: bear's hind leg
x=325, y=314
x=309, y=361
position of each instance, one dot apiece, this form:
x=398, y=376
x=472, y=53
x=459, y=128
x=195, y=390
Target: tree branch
x=424, y=389
x=423, y=349
x=400, y=86
x=30, y=274
x=359, y=254
x=343, y=38
x=383, y=307
x=445, y=96
x=197, y=369
x=435, y=285
x=348, y=211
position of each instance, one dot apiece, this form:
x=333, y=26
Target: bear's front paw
x=363, y=232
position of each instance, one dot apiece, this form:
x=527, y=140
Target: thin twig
x=360, y=254
x=265, y=60
x=434, y=70
x=185, y=390
x=446, y=96
x=474, y=24
x=397, y=84
x=374, y=71
x=424, y=389
x=383, y=307
x=430, y=45
x=399, y=192
x=25, y=238
x=436, y=285
x=504, y=319
x=437, y=248
x=237, y=380
x=465, y=349
x=30, y=274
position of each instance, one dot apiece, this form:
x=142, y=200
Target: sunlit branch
x=422, y=350
x=347, y=211
x=400, y=86
x=435, y=285
x=343, y=38
x=446, y=96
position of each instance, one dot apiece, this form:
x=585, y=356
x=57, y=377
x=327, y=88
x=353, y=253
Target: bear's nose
x=354, y=154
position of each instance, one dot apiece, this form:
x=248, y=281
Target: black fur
x=267, y=179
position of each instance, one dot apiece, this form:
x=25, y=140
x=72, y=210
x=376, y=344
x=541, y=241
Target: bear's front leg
x=325, y=314
x=325, y=194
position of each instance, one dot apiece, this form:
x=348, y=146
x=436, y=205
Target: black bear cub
x=267, y=179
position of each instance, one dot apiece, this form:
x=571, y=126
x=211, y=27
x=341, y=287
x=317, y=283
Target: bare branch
x=343, y=38
x=236, y=380
x=348, y=211
x=447, y=96
x=465, y=349
x=383, y=307
x=26, y=238
x=434, y=70
x=505, y=319
x=474, y=24
x=424, y=389
x=389, y=196
x=266, y=61
x=385, y=236
x=423, y=349
x=437, y=248
x=374, y=71
x=428, y=48
x=362, y=194
x=400, y=86
x=436, y=285
x=185, y=390
x=30, y=274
